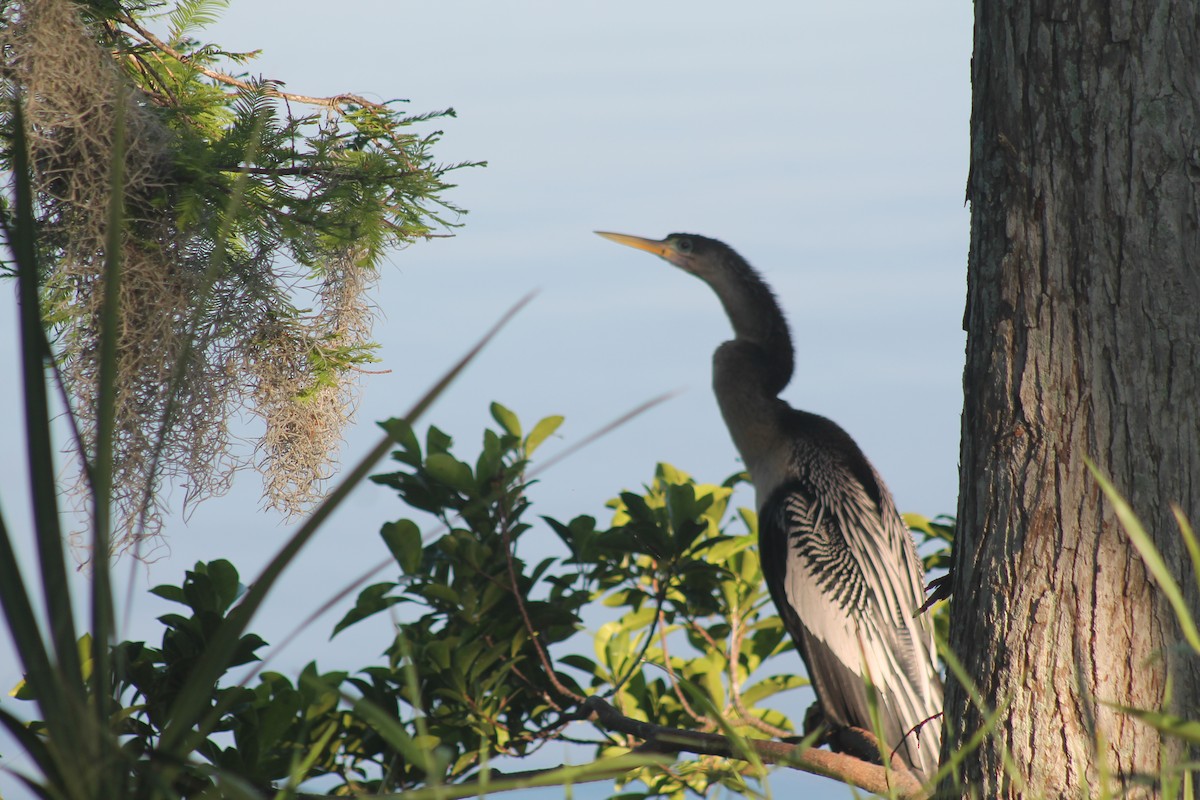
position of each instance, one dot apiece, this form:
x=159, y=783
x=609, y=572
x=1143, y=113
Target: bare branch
x=534, y=635
x=660, y=595
x=303, y=171
x=687, y=707
x=334, y=102
x=737, y=632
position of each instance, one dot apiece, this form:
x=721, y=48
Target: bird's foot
x=815, y=722
x=938, y=589
x=857, y=742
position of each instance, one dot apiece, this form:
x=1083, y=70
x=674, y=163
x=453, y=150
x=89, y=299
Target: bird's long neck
x=757, y=322
x=751, y=370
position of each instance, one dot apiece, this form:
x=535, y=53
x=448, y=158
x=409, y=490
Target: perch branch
x=839, y=766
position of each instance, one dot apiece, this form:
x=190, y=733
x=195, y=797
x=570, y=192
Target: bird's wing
x=847, y=598
x=876, y=533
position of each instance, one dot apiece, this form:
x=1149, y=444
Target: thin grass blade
x=24, y=630
x=52, y=667
x=34, y=747
x=37, y=415
x=1189, y=539
x=392, y=732
x=1187, y=730
x=739, y=744
x=603, y=770
x=103, y=617
x=600, y=433
x=1150, y=557
x=991, y=719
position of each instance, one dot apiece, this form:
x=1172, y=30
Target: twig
x=144, y=65
x=662, y=633
x=915, y=730
x=303, y=171
x=839, y=766
x=542, y=693
x=736, y=634
x=660, y=600
x=698, y=629
x=334, y=102
x=533, y=632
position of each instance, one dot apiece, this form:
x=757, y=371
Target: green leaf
x=97, y=660
x=918, y=522
x=723, y=548
x=439, y=591
x=579, y=662
x=371, y=601
x=507, y=419
x=603, y=641
x=447, y=469
x=437, y=441
x=401, y=432
x=403, y=539
x=670, y=475
x=490, y=464
x=22, y=691
x=437, y=654
x=224, y=578
x=35, y=748
x=771, y=686
x=543, y=430
x=172, y=593
x=577, y=535
x=639, y=618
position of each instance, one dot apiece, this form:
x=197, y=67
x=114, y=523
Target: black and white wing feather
x=844, y=575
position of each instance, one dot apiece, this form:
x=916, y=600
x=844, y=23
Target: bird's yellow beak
x=658, y=247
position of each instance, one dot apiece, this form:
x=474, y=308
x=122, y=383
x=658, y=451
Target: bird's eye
x=683, y=245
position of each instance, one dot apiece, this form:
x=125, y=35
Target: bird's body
x=838, y=560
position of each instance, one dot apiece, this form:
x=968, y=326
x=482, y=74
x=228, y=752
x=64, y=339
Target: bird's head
x=689, y=252
x=752, y=308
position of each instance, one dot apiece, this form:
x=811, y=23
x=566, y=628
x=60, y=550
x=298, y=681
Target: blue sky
x=827, y=142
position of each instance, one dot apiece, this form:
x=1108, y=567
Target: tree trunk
x=1083, y=321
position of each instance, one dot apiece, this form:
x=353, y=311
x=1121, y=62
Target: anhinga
x=838, y=560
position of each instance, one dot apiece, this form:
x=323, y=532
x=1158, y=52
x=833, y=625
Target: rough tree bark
x=1083, y=321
